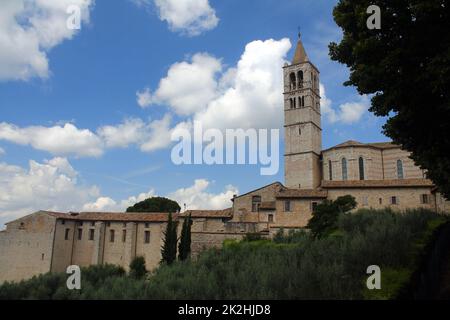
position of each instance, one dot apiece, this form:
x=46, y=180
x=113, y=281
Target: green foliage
x=406, y=65
x=252, y=237
x=184, y=247
x=137, y=267
x=169, y=249
x=325, y=216
x=295, y=266
x=155, y=204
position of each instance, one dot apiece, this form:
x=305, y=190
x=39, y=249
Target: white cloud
x=144, y=98
x=347, y=113
x=51, y=185
x=190, y=17
x=245, y=96
x=29, y=29
x=197, y=197
x=131, y=131
x=58, y=140
x=188, y=87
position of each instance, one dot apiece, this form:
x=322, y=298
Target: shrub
x=137, y=268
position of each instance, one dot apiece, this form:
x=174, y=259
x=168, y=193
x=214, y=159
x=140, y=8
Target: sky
x=87, y=114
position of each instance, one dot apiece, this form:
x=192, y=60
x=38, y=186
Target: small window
x=330, y=170
x=394, y=200
x=80, y=223
x=299, y=131
x=424, y=199
x=361, y=168
x=344, y=169
x=42, y=256
x=313, y=206
x=399, y=169
x=93, y=224
x=66, y=234
x=63, y=221
x=111, y=235
x=80, y=234
x=380, y=200
x=147, y=225
x=147, y=237
x=22, y=225
x=287, y=205
x=108, y=224
x=124, y=225
x=256, y=202
x=124, y=235
x=270, y=217
x=91, y=234
x=303, y=101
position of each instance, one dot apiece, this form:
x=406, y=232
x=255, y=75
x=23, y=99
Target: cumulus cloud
x=144, y=98
x=346, y=113
x=68, y=140
x=188, y=86
x=197, y=196
x=58, y=140
x=51, y=185
x=29, y=29
x=245, y=96
x=190, y=17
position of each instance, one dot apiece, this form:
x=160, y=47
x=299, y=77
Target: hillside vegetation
x=292, y=266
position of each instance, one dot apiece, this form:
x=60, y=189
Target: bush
x=137, y=268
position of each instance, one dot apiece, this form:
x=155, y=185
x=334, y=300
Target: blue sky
x=66, y=97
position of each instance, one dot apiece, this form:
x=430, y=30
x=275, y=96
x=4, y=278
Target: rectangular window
x=91, y=234
x=63, y=221
x=93, y=223
x=256, y=202
x=424, y=199
x=66, y=235
x=147, y=237
x=124, y=235
x=80, y=234
x=394, y=200
x=147, y=225
x=270, y=217
x=111, y=235
x=124, y=225
x=313, y=206
x=108, y=224
x=380, y=200
x=287, y=205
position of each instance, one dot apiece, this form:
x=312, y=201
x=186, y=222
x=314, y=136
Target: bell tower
x=302, y=123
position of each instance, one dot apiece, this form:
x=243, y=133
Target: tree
x=137, y=267
x=155, y=204
x=406, y=66
x=169, y=249
x=184, y=247
x=326, y=214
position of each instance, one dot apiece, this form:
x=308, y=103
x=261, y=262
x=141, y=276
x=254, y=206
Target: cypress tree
x=184, y=247
x=169, y=249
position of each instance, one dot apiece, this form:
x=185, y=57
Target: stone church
x=378, y=175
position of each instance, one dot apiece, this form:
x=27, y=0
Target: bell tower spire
x=302, y=122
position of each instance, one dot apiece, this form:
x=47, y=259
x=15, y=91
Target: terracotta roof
x=376, y=145
x=267, y=205
x=226, y=213
x=377, y=183
x=113, y=216
x=301, y=193
x=300, y=55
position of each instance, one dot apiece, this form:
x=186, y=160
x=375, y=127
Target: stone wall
x=26, y=247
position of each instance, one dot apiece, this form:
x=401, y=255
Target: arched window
x=300, y=79
x=344, y=169
x=399, y=169
x=293, y=81
x=330, y=170
x=303, y=101
x=299, y=131
x=291, y=103
x=361, y=168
